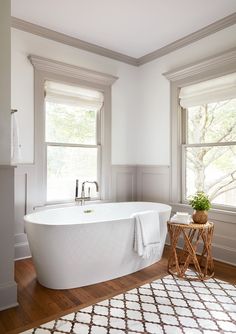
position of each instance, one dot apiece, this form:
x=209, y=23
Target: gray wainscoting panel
x=224, y=241
x=129, y=183
x=140, y=182
x=153, y=183
x=124, y=183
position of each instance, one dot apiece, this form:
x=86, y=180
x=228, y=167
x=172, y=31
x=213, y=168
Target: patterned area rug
x=167, y=306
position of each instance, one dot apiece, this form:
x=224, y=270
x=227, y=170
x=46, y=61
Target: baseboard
x=224, y=254
x=220, y=253
x=8, y=295
x=22, y=250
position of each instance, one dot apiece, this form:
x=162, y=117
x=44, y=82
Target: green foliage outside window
x=212, y=169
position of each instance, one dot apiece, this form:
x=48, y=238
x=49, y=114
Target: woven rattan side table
x=195, y=237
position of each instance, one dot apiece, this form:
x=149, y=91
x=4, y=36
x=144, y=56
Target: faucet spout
x=91, y=182
x=82, y=198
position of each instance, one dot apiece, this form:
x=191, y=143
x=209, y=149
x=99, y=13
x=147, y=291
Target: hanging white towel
x=15, y=143
x=146, y=233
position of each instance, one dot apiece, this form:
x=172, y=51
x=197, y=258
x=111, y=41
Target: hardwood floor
x=38, y=304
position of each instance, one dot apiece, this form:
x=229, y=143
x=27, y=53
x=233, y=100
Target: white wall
x=154, y=126
x=124, y=91
x=140, y=122
x=140, y=98
x=154, y=118
x=124, y=109
x=5, y=92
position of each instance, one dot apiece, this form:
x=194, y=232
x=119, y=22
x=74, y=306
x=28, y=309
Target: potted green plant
x=201, y=204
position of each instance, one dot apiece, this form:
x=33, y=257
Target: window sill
x=214, y=214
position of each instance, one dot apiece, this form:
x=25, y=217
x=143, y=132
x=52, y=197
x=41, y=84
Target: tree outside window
x=209, y=151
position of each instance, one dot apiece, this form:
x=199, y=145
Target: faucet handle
x=76, y=188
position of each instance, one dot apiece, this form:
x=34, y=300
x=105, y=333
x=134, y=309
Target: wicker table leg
x=193, y=235
x=173, y=262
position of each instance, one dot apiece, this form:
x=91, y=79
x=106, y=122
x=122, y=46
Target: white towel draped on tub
x=15, y=142
x=146, y=233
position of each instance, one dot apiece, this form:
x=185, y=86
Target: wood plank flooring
x=38, y=304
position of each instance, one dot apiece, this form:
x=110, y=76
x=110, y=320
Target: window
x=209, y=140
x=69, y=87
x=72, y=139
x=213, y=89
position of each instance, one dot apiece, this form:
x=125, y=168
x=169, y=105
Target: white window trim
x=209, y=68
x=50, y=70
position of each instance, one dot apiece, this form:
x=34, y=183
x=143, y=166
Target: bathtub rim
x=27, y=217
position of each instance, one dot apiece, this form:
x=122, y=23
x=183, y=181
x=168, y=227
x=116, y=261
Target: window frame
x=208, y=68
x=62, y=144
x=50, y=70
x=185, y=145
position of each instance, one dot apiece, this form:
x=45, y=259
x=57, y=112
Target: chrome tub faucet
x=82, y=197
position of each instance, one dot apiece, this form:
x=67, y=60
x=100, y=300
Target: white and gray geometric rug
x=165, y=306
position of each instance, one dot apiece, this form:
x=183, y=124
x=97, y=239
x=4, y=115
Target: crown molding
x=53, y=66
x=71, y=41
x=226, y=60
x=191, y=38
x=77, y=43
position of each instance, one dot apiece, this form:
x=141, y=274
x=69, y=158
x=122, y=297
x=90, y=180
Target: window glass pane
x=213, y=170
x=70, y=124
x=212, y=123
x=64, y=166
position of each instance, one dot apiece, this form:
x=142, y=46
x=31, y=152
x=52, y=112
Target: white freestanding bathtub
x=82, y=245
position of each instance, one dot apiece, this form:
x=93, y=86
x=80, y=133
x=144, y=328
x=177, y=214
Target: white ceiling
x=131, y=27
